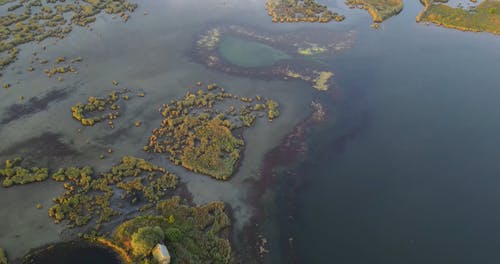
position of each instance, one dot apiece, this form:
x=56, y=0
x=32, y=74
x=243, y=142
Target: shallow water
x=156, y=61
x=404, y=170
x=245, y=53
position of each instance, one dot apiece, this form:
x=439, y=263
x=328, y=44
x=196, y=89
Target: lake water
x=76, y=252
x=404, y=170
x=409, y=172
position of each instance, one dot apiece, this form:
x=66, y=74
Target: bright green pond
x=246, y=53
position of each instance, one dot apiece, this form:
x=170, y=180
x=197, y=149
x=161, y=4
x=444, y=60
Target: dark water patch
x=32, y=106
x=75, y=252
x=41, y=147
x=115, y=136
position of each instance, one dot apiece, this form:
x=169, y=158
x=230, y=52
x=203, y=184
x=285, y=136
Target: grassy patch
x=484, y=17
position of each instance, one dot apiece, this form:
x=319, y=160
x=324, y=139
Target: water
x=74, y=253
x=404, y=171
x=409, y=172
x=246, y=53
x=149, y=53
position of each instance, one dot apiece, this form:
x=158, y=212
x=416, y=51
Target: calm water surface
x=405, y=171
x=410, y=172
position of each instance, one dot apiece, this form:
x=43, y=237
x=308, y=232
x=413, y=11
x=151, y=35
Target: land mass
x=484, y=17
x=300, y=11
x=380, y=10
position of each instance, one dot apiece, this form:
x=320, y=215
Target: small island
x=380, y=10
x=485, y=17
x=199, y=131
x=99, y=109
x=188, y=234
x=300, y=11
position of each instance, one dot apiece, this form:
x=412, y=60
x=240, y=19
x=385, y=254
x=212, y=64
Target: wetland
x=257, y=132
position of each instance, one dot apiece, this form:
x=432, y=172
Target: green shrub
x=173, y=234
x=145, y=239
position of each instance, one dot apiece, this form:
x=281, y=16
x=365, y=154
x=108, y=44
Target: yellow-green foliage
x=15, y=174
x=485, y=17
x=300, y=11
x=272, y=109
x=217, y=152
x=145, y=238
x=312, y=50
x=198, y=136
x=88, y=195
x=107, y=108
x=198, y=234
x=321, y=82
x=3, y=257
x=380, y=10
x=23, y=23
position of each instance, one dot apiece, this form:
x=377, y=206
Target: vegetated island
x=298, y=45
x=300, y=11
x=484, y=17
x=198, y=132
x=380, y=10
x=192, y=234
x=36, y=20
x=99, y=109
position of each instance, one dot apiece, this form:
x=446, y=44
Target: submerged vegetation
x=483, y=17
x=295, y=45
x=36, y=20
x=300, y=11
x=380, y=10
x=197, y=132
x=100, y=109
x=192, y=234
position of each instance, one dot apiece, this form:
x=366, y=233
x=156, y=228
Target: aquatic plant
x=14, y=173
x=88, y=195
x=100, y=109
x=34, y=20
x=295, y=45
x=313, y=49
x=321, y=80
x=199, y=136
x=300, y=11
